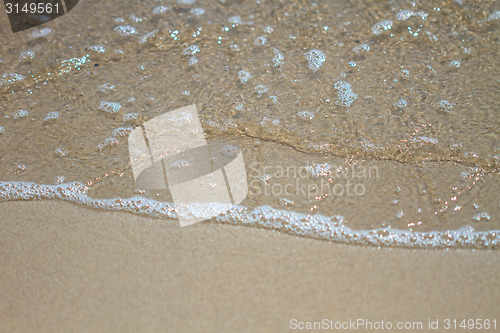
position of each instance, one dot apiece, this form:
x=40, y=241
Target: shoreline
x=66, y=267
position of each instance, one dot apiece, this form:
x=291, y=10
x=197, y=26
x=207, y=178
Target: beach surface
x=66, y=268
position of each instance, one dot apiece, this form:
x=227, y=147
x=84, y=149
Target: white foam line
x=314, y=226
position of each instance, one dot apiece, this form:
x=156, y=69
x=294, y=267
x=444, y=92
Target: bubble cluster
x=402, y=103
x=125, y=30
x=26, y=55
x=361, y=48
x=230, y=149
x=406, y=14
x=40, y=32
x=259, y=41
x=315, y=59
x=305, y=115
x=97, y=48
x=481, y=217
x=345, y=95
x=379, y=27
x=235, y=20
x=180, y=164
x=423, y=140
x=107, y=87
x=160, y=10
x=494, y=16
x=110, y=107
x=319, y=170
x=20, y=114
x=130, y=117
x=191, y=50
x=445, y=106
x=260, y=89
x=122, y=131
x=244, y=76
x=197, y=11
x=51, y=116
x=10, y=78
x=111, y=141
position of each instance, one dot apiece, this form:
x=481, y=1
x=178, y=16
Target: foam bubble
x=481, y=217
x=110, y=107
x=147, y=36
x=277, y=58
x=160, y=10
x=402, y=103
x=319, y=170
x=20, y=114
x=26, y=55
x=230, y=149
x=97, y=48
x=305, y=115
x=361, y=48
x=108, y=142
x=130, y=117
x=260, y=89
x=235, y=20
x=423, y=140
x=40, y=32
x=315, y=58
x=197, y=11
x=406, y=14
x=51, y=116
x=269, y=122
x=191, y=50
x=379, y=27
x=445, y=106
x=180, y=164
x=125, y=30
x=192, y=61
x=345, y=95
x=268, y=29
x=59, y=180
x=9, y=78
x=122, y=131
x=244, y=76
x=135, y=18
x=494, y=16
x=285, y=202
x=259, y=41
x=107, y=87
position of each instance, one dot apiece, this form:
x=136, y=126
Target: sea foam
x=331, y=228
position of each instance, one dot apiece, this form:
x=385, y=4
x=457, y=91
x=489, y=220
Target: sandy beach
x=358, y=123
x=66, y=268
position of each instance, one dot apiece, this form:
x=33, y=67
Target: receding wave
x=330, y=228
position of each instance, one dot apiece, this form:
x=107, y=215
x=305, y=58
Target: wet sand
x=65, y=268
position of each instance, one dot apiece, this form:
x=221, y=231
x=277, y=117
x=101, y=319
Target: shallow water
x=362, y=123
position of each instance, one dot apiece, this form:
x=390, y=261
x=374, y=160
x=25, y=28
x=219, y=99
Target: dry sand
x=66, y=268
